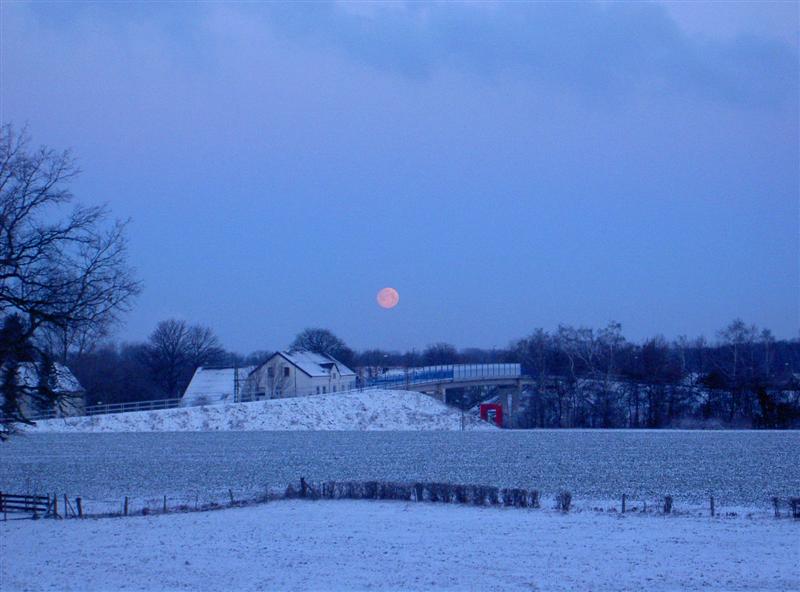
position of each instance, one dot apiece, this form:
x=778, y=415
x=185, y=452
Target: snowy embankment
x=356, y=410
x=360, y=545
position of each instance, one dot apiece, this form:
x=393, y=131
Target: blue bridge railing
x=445, y=373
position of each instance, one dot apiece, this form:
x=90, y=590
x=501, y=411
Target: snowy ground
x=365, y=410
x=360, y=545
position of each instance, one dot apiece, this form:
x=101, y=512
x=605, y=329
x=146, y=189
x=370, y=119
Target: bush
x=564, y=501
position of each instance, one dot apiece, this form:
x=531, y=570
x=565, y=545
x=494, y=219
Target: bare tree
x=65, y=342
x=322, y=341
x=736, y=361
x=202, y=345
x=64, y=272
x=440, y=353
x=168, y=356
x=610, y=341
x=175, y=349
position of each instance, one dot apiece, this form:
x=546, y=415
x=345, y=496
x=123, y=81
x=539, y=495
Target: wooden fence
x=23, y=504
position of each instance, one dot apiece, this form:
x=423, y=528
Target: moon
x=388, y=298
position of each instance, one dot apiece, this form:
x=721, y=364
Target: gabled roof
x=212, y=386
x=64, y=381
x=312, y=364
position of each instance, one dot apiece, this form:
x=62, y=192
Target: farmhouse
x=68, y=393
x=298, y=373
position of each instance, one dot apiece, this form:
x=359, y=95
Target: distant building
x=69, y=395
x=298, y=373
x=215, y=386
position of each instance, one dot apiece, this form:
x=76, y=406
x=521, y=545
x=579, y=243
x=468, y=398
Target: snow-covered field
x=360, y=545
x=356, y=410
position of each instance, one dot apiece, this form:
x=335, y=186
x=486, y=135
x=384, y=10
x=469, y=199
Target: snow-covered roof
x=64, y=380
x=314, y=364
x=212, y=386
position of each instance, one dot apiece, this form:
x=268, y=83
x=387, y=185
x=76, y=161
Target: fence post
x=79, y=503
x=794, y=502
x=230, y=493
x=668, y=504
x=776, y=503
x=125, y=507
x=165, y=504
x=303, y=487
x=624, y=497
x=712, y=506
x=55, y=506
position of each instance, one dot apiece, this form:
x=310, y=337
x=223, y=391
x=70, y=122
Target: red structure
x=492, y=412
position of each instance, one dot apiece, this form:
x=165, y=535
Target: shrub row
x=449, y=493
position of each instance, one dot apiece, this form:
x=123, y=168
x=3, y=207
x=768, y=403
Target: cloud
x=285, y=141
x=601, y=49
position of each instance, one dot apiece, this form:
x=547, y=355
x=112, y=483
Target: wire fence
x=104, y=408
x=65, y=506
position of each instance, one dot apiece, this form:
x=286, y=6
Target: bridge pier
x=511, y=403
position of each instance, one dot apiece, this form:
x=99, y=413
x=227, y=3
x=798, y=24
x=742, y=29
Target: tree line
x=596, y=378
x=65, y=282
x=582, y=377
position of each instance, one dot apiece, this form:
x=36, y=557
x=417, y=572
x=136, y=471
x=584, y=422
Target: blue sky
x=504, y=166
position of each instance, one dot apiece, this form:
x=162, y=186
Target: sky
x=504, y=166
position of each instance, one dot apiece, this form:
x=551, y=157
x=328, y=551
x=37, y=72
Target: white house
x=299, y=373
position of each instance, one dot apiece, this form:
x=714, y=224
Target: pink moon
x=388, y=298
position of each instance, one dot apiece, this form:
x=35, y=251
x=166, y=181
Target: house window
x=271, y=372
x=317, y=390
x=286, y=371
x=324, y=390
x=334, y=388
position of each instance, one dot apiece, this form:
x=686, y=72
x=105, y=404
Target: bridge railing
x=446, y=373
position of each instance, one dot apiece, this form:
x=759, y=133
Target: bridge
x=437, y=380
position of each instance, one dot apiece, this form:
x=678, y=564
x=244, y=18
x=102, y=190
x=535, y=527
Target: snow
x=360, y=545
x=63, y=380
x=315, y=364
x=213, y=386
x=354, y=410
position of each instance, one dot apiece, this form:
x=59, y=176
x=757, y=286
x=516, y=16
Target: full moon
x=388, y=298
